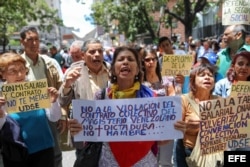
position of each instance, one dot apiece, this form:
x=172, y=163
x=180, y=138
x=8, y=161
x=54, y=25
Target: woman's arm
x=2, y=112
x=54, y=112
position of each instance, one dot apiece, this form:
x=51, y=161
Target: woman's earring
x=136, y=77
x=114, y=78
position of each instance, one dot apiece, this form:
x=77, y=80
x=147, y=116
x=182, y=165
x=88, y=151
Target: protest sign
x=138, y=119
x=236, y=12
x=224, y=124
x=26, y=96
x=176, y=64
x=240, y=88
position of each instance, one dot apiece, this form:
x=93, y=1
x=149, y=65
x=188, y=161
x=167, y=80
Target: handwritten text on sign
x=236, y=12
x=241, y=88
x=140, y=119
x=26, y=96
x=176, y=64
x=225, y=124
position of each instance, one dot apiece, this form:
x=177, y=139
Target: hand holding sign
x=2, y=103
x=53, y=94
x=179, y=79
x=74, y=127
x=180, y=125
x=193, y=125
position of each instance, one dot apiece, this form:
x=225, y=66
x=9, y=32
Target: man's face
x=76, y=54
x=230, y=36
x=93, y=57
x=31, y=43
x=166, y=47
x=206, y=45
x=248, y=39
x=52, y=51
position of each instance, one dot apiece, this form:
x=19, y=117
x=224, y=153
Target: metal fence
x=211, y=31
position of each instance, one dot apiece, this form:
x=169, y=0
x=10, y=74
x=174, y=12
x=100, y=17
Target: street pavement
x=68, y=153
x=68, y=158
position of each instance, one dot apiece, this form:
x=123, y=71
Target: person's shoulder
x=245, y=47
x=179, y=52
x=223, y=52
x=222, y=81
x=58, y=54
x=46, y=58
x=50, y=62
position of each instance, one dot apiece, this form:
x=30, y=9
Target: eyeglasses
x=15, y=72
x=150, y=59
x=100, y=51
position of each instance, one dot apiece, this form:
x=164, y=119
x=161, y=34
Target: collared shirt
x=98, y=81
x=223, y=88
x=43, y=69
x=36, y=71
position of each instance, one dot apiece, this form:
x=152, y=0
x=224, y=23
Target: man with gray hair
x=84, y=78
x=234, y=37
x=75, y=51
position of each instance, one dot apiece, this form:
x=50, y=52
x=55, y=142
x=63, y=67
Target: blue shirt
x=35, y=130
x=223, y=88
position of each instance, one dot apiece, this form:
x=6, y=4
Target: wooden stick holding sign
x=26, y=96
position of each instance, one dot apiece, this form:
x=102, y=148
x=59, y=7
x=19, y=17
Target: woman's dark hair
x=197, y=70
x=231, y=73
x=26, y=29
x=163, y=39
x=158, y=68
x=118, y=50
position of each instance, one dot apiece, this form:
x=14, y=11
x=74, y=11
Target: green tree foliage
x=185, y=11
x=134, y=16
x=18, y=13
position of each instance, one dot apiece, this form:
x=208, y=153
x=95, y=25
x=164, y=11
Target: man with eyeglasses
x=234, y=38
x=84, y=78
x=39, y=68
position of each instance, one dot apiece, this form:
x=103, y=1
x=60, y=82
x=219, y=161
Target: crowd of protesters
x=86, y=68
